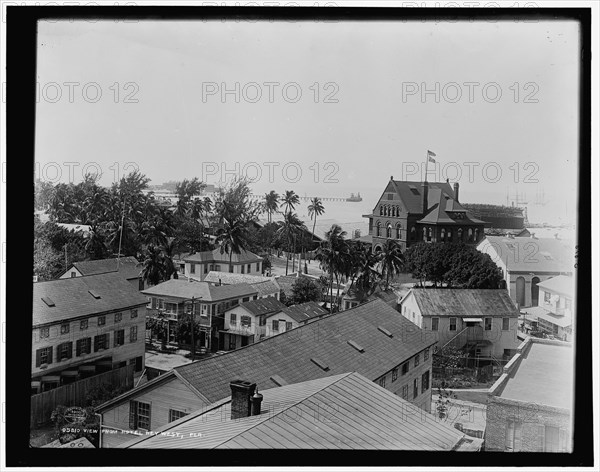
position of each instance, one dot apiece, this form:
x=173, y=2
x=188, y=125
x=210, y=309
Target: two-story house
x=483, y=322
x=265, y=286
x=525, y=262
x=198, y=265
x=263, y=318
x=83, y=326
x=371, y=339
x=555, y=313
x=128, y=267
x=175, y=299
x=411, y=212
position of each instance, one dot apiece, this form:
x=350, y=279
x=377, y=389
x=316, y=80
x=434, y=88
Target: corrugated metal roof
x=128, y=266
x=305, y=311
x=176, y=288
x=465, y=302
x=288, y=354
x=263, y=306
x=268, y=287
x=71, y=297
x=345, y=411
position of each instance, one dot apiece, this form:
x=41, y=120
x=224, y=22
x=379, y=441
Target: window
x=513, y=436
x=245, y=299
x=133, y=334
x=425, y=382
x=395, y=374
x=488, y=324
x=405, y=392
x=415, y=388
x=44, y=332
x=43, y=356
x=64, y=351
x=452, y=324
x=405, y=368
x=118, y=317
x=101, y=320
x=139, y=362
x=426, y=354
x=249, y=268
x=382, y=381
x=258, y=267
x=435, y=324
x=262, y=320
x=175, y=415
x=134, y=313
x=417, y=359
x=206, y=268
x=275, y=325
x=233, y=319
x=232, y=342
x=246, y=321
x=555, y=440
x=288, y=325
x=139, y=415
x=231, y=268
x=64, y=328
x=83, y=346
x=119, y=337
x=505, y=324
x=73, y=274
x=192, y=268
x=242, y=269
x=101, y=342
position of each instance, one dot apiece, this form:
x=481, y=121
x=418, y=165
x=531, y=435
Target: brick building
x=530, y=405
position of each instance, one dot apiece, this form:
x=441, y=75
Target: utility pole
x=66, y=259
x=193, y=329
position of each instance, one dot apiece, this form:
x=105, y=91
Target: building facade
x=198, y=265
x=410, y=212
x=84, y=326
x=177, y=300
x=483, y=322
x=525, y=262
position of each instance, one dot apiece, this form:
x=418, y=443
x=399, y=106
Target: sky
x=320, y=108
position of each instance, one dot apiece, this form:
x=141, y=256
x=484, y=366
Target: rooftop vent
x=277, y=380
x=356, y=346
x=94, y=294
x=385, y=331
x=319, y=363
x=48, y=301
x=413, y=189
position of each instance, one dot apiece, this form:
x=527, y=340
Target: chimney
x=425, y=186
x=456, y=191
x=256, y=400
x=241, y=394
x=220, y=283
x=391, y=177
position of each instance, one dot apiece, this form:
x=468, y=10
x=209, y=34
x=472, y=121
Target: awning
x=234, y=331
x=473, y=320
x=560, y=321
x=69, y=373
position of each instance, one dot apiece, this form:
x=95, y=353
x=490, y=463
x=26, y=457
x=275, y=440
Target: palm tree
x=287, y=233
x=232, y=237
x=290, y=200
x=271, y=203
x=153, y=268
x=392, y=260
x=168, y=251
x=333, y=255
x=315, y=209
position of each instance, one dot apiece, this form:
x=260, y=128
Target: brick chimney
x=456, y=191
x=241, y=394
x=425, y=186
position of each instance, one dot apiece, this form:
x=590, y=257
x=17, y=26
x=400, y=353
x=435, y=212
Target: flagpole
x=426, y=163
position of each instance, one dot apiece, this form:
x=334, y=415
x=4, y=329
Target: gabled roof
x=531, y=254
x=292, y=354
x=305, y=311
x=463, y=302
x=127, y=266
x=263, y=306
x=244, y=257
x=182, y=289
x=563, y=284
x=359, y=414
x=63, y=299
x=228, y=278
x=442, y=206
x=411, y=193
x=268, y=287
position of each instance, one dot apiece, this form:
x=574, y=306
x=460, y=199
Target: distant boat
x=354, y=198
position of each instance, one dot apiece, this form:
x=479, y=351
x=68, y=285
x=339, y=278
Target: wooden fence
x=74, y=394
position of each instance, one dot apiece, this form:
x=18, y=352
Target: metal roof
x=182, y=289
x=128, y=267
x=71, y=297
x=345, y=411
x=216, y=256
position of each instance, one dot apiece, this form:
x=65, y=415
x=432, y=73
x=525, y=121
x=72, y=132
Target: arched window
x=429, y=234
x=460, y=234
x=449, y=235
x=397, y=211
x=388, y=232
x=378, y=229
x=443, y=235
x=398, y=231
x=413, y=233
x=470, y=233
x=381, y=211
x=424, y=234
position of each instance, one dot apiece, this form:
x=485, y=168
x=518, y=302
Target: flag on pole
x=430, y=156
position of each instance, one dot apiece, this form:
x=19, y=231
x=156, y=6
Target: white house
x=198, y=265
x=482, y=321
x=525, y=262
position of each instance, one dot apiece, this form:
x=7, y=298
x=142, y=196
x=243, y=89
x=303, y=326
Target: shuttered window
x=83, y=346
x=139, y=415
x=513, y=436
x=119, y=337
x=133, y=334
x=64, y=351
x=43, y=356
